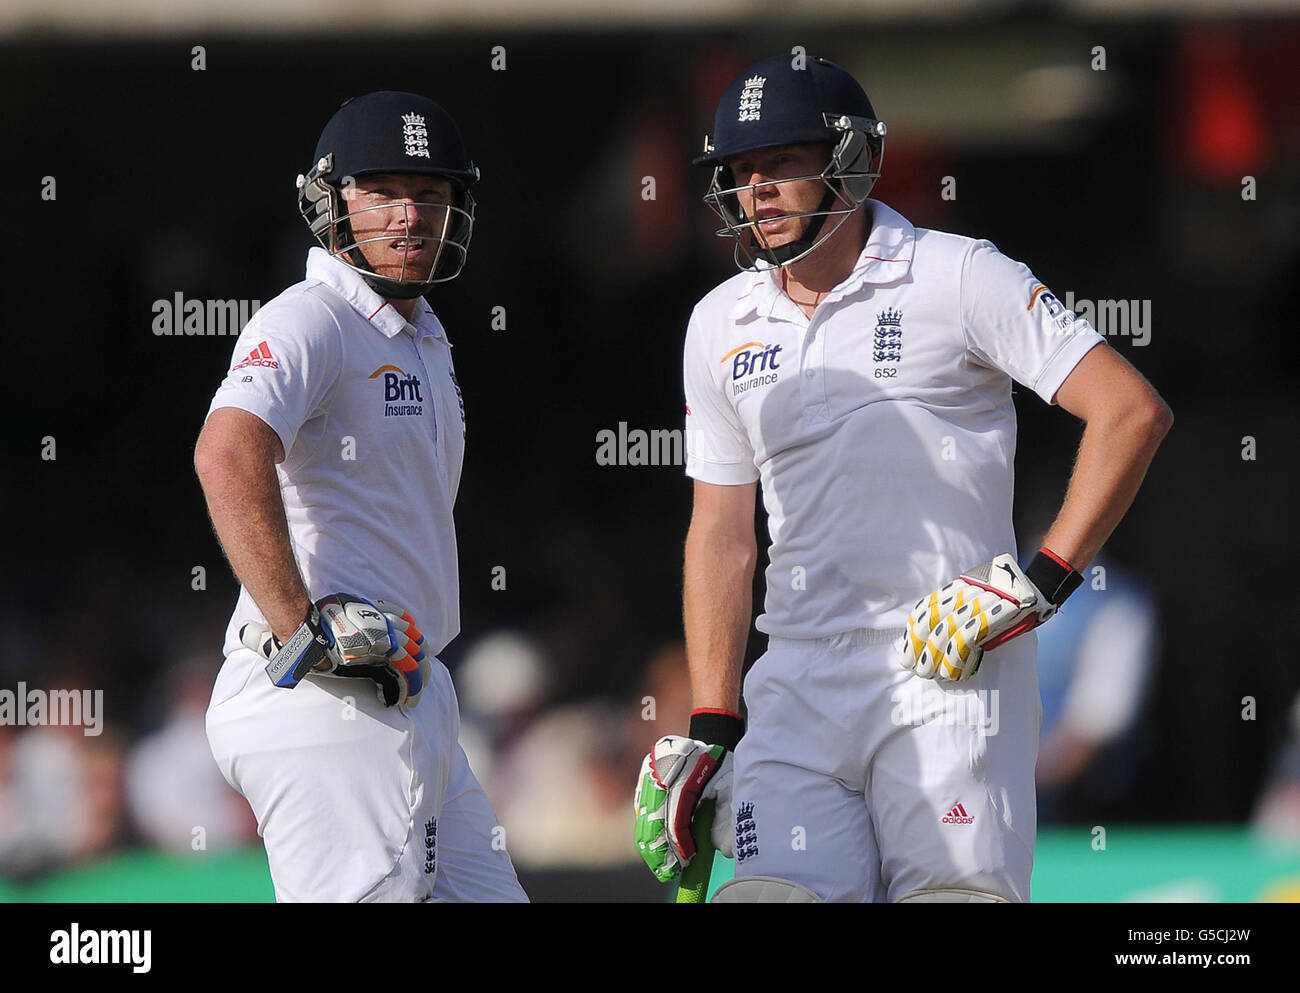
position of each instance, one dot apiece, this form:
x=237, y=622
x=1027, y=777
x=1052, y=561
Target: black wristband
x=1054, y=581
x=713, y=728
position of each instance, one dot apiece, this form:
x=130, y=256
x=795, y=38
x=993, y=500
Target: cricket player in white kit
x=330, y=460
x=860, y=369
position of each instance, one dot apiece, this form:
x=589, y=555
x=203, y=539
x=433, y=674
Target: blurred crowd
x=558, y=765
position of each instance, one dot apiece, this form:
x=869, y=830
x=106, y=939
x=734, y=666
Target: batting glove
x=350, y=636
x=949, y=631
x=677, y=776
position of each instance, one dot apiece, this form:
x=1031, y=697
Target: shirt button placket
x=429, y=386
x=434, y=392
x=813, y=361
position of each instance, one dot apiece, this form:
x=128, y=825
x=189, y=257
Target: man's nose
x=408, y=209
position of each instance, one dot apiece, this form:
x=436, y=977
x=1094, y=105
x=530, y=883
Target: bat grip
x=694, y=884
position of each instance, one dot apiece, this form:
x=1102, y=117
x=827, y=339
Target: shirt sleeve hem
x=721, y=473
x=263, y=409
x=1062, y=363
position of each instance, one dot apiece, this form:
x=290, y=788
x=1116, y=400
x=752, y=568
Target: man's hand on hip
x=949, y=631
x=350, y=636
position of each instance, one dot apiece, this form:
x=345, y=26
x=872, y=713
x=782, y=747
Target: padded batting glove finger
x=415, y=669
x=399, y=679
x=408, y=635
x=949, y=631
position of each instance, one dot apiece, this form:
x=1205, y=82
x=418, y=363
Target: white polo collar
x=886, y=258
x=348, y=284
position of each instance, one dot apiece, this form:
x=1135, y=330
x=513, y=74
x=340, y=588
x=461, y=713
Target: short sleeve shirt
x=882, y=429
x=370, y=415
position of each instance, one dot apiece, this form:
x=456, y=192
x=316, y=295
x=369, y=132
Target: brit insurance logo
x=402, y=396
x=753, y=364
x=887, y=346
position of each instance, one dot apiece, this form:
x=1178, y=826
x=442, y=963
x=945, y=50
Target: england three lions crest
x=751, y=99
x=415, y=135
x=888, y=343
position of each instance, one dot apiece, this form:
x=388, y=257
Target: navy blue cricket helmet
x=390, y=132
x=793, y=100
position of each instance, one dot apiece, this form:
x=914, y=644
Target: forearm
x=718, y=580
x=1112, y=461
x=247, y=511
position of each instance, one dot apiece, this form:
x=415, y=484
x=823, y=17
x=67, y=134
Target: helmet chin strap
x=387, y=288
x=784, y=253
x=395, y=291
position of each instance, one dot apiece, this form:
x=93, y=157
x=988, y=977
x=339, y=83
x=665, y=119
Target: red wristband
x=1057, y=559
x=1055, y=578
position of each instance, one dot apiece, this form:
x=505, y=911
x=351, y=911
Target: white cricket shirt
x=881, y=429
x=370, y=416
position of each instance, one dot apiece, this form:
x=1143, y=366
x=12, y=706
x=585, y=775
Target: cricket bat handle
x=694, y=884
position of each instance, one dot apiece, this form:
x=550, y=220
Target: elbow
x=1143, y=417
x=204, y=460
x=212, y=458
x=1157, y=419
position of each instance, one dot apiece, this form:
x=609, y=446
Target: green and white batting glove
x=677, y=775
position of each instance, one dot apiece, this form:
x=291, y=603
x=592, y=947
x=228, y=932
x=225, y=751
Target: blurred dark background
x=1117, y=183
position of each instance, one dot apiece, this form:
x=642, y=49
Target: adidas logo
x=957, y=815
x=260, y=356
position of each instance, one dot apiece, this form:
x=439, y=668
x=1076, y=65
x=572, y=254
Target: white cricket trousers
x=355, y=801
x=865, y=783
